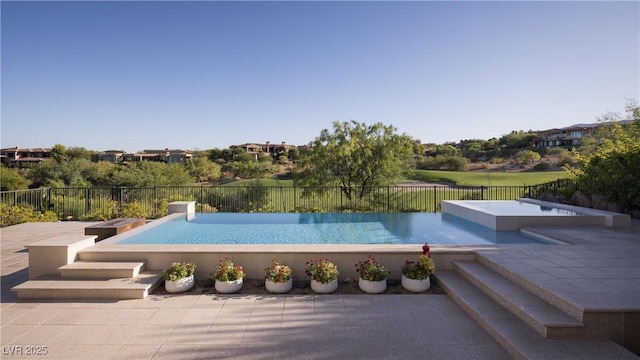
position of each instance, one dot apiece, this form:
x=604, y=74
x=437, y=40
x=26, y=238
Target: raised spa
x=513, y=215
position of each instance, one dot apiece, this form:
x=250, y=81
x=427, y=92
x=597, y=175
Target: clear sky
x=201, y=75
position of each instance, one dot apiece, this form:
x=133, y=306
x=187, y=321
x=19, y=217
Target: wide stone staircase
x=90, y=279
x=527, y=320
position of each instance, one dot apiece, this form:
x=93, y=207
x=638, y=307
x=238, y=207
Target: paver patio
x=211, y=326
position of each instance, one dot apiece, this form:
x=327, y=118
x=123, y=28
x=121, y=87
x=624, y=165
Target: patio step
x=543, y=317
x=52, y=287
x=517, y=338
x=101, y=270
x=485, y=258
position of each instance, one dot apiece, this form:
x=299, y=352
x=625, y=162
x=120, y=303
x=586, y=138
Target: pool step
x=101, y=270
x=52, y=287
x=519, y=339
x=543, y=317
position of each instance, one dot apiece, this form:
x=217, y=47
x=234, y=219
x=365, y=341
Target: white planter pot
x=327, y=288
x=416, y=285
x=228, y=287
x=372, y=287
x=179, y=286
x=278, y=287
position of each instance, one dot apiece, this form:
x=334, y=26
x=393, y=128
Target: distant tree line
x=355, y=156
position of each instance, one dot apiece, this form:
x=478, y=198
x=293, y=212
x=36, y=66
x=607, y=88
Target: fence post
x=388, y=198
x=435, y=201
x=87, y=201
x=482, y=192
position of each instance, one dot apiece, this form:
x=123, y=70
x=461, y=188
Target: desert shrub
x=473, y=195
x=541, y=166
x=306, y=209
x=102, y=212
x=564, y=158
x=133, y=210
x=443, y=162
x=526, y=157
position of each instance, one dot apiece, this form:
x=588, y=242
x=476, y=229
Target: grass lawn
x=460, y=178
x=467, y=178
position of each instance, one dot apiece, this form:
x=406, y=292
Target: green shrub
x=12, y=215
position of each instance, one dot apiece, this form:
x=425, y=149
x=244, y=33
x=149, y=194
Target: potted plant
x=228, y=277
x=278, y=278
x=415, y=274
x=323, y=274
x=373, y=276
x=179, y=277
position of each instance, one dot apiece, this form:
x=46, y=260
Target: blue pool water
x=324, y=228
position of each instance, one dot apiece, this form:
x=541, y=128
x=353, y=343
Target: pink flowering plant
x=371, y=270
x=228, y=271
x=278, y=272
x=421, y=269
x=179, y=270
x=322, y=270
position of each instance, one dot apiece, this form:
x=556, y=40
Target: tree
x=612, y=169
x=59, y=153
x=11, y=179
x=201, y=169
x=150, y=173
x=76, y=152
x=356, y=157
x=250, y=169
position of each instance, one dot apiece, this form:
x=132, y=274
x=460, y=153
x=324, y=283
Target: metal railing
x=94, y=203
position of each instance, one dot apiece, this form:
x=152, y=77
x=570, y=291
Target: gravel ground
x=302, y=288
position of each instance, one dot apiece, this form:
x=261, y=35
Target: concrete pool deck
x=599, y=271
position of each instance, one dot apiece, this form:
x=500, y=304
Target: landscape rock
x=599, y=202
x=581, y=199
x=547, y=197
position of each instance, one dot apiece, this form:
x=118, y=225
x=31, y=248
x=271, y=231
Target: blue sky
x=200, y=75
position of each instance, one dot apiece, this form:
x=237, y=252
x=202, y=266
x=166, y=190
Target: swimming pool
x=322, y=228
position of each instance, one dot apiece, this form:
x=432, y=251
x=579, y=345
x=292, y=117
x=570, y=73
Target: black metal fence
x=100, y=203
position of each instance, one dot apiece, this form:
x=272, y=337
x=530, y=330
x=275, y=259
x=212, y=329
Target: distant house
x=114, y=156
x=166, y=155
x=567, y=137
x=273, y=150
x=24, y=157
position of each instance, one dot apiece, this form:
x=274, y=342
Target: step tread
x=520, y=340
x=101, y=265
x=143, y=281
x=519, y=274
x=507, y=291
